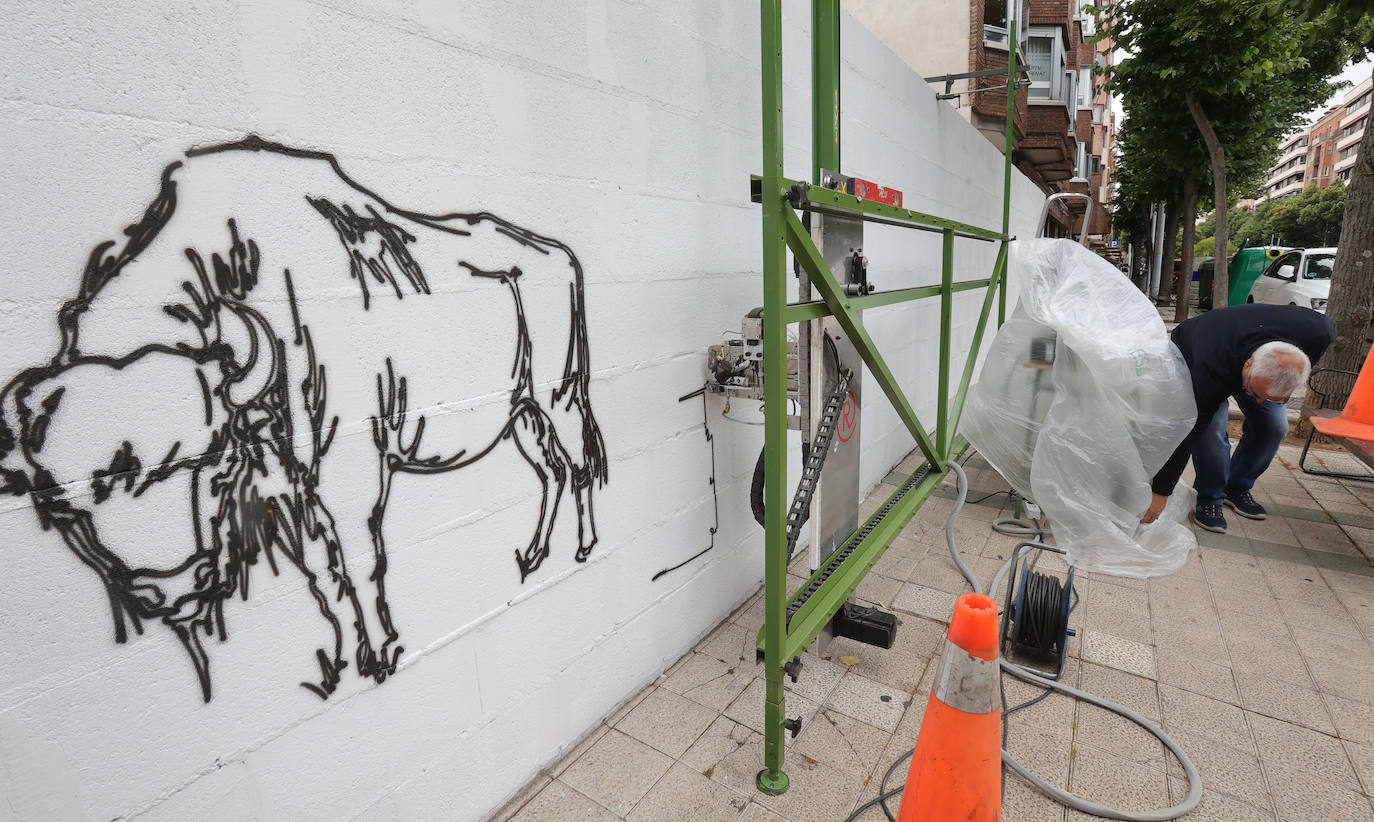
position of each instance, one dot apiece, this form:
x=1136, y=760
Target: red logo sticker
x=849, y=418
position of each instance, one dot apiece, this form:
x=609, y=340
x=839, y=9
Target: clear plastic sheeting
x=1081, y=400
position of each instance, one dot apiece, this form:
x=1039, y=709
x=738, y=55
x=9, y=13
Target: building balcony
x=1353, y=115
x=1288, y=189
x=1285, y=177
x=1049, y=144
x=1291, y=154
x=1348, y=162
x=1349, y=140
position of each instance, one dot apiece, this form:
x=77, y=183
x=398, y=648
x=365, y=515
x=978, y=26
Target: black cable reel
x=1035, y=618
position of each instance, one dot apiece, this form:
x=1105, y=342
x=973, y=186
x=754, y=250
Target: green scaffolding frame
x=782, y=639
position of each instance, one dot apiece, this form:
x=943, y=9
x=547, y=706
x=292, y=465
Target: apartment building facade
x=1354, y=117
x=1324, y=151
x=1063, y=120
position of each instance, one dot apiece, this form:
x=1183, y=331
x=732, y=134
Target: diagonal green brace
x=999, y=271
x=833, y=293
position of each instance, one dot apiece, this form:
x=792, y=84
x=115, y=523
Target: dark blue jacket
x=1216, y=346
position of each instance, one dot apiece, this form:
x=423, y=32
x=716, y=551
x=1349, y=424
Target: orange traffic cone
x=956, y=770
x=1357, y=418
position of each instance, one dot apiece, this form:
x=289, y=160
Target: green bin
x=1246, y=267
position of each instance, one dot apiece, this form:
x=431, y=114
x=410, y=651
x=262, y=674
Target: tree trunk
x=1166, y=266
x=1351, y=304
x=1185, y=279
x=1140, y=263
x=1217, y=155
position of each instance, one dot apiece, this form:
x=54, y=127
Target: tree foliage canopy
x=1311, y=219
x=1247, y=68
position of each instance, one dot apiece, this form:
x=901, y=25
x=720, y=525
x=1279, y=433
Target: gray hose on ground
x=1062, y=796
x=1014, y=527
x=959, y=498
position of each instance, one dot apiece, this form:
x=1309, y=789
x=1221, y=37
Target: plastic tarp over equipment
x=1081, y=400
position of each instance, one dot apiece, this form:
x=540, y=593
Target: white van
x=1299, y=277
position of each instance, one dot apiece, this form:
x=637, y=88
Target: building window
x=1081, y=165
x=1085, y=88
x=1045, y=63
x=995, y=20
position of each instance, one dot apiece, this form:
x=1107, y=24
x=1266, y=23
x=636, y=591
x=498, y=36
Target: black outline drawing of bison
x=185, y=355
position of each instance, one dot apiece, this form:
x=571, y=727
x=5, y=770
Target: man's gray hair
x=1283, y=365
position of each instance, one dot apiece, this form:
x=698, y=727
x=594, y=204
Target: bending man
x=1261, y=355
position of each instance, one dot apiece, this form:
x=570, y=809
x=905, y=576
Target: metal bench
x=1324, y=383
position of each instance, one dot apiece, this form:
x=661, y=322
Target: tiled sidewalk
x=1256, y=657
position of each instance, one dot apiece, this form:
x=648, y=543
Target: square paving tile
x=1330, y=619
x=1047, y=753
x=1282, y=700
x=617, y=771
x=758, y=813
x=1354, y=720
x=708, y=681
x=1125, y=624
x=1216, y=806
x=1122, y=654
x=1120, y=783
x=730, y=643
x=1222, y=768
x=1106, y=731
x=1303, y=797
x=1319, y=646
x=1022, y=802
x=1348, y=683
x=667, y=722
x=683, y=793
x=867, y=701
x=1194, y=713
x=1288, y=747
x=559, y=802
x=1197, y=675
x=842, y=742
x=1362, y=757
x=896, y=669
x=817, y=679
x=723, y=738
x=1135, y=692
x=580, y=748
x=927, y=602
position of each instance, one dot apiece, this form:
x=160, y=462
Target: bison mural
x=186, y=357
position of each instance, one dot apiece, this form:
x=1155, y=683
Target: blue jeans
x=1221, y=473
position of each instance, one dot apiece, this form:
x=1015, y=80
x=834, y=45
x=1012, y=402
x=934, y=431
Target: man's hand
x=1157, y=502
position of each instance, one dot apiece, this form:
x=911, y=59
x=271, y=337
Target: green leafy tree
x=1238, y=71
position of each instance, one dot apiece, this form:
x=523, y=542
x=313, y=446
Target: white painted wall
x=931, y=37
x=625, y=130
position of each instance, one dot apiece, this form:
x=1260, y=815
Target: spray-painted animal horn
x=253, y=368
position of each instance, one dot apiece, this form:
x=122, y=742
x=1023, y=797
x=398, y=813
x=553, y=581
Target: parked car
x=1298, y=277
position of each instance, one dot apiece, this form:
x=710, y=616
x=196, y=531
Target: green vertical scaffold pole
x=1012, y=40
x=772, y=779
x=944, y=433
x=825, y=87
x=830, y=586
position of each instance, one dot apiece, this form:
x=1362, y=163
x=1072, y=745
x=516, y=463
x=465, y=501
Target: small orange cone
x=1357, y=419
x=956, y=770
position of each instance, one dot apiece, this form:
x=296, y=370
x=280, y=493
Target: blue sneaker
x=1245, y=505
x=1208, y=516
